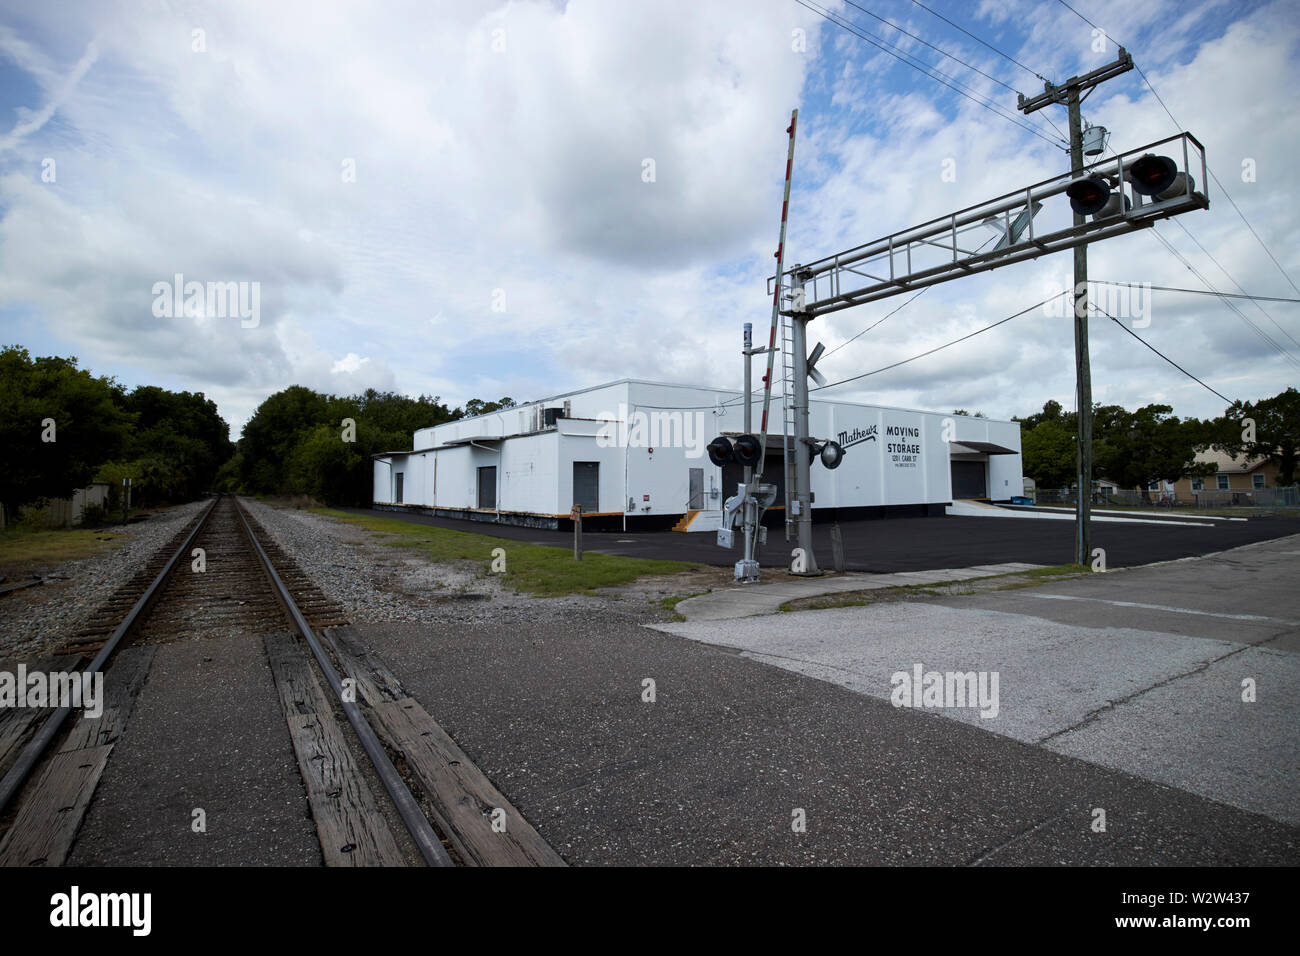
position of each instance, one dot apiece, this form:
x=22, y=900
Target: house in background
x=1236, y=474
x=1240, y=480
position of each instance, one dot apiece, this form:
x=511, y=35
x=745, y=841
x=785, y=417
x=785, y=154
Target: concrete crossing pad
x=753, y=599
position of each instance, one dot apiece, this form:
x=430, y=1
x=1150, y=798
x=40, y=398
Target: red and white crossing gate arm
x=776, y=300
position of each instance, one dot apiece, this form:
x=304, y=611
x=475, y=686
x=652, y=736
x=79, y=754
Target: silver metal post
x=746, y=516
x=801, y=500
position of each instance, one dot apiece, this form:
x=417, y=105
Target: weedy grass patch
x=23, y=549
x=538, y=569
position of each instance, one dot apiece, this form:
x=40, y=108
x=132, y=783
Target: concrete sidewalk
x=754, y=599
x=980, y=509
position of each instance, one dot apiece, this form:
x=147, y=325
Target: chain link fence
x=1208, y=498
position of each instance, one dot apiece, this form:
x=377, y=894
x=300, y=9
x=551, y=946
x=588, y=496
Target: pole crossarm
x=932, y=253
x=1054, y=93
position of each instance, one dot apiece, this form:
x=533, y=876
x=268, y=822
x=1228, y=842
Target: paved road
x=740, y=738
x=1142, y=670
x=916, y=544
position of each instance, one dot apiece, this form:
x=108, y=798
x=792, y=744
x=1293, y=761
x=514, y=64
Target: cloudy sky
x=478, y=199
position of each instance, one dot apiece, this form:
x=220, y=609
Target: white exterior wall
x=647, y=437
x=1005, y=472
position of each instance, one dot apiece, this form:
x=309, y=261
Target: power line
x=938, y=348
x=932, y=46
x=978, y=40
x=1225, y=296
x=969, y=66
x=1161, y=354
x=1166, y=288
x=874, y=324
x=1081, y=16
x=932, y=72
x=1228, y=196
x=1228, y=302
x=1235, y=282
x=1241, y=315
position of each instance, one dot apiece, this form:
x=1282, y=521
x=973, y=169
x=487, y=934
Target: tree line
x=302, y=442
x=1134, y=449
x=63, y=427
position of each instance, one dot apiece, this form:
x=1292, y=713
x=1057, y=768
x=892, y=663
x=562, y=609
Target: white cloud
x=514, y=179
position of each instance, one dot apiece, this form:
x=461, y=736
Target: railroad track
x=223, y=574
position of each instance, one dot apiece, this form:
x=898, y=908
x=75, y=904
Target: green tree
x=1049, y=453
x=177, y=446
x=1047, y=446
x=295, y=442
x=476, y=406
x=269, y=437
x=1276, y=433
x=1136, y=449
x=393, y=413
x=1051, y=412
x=51, y=397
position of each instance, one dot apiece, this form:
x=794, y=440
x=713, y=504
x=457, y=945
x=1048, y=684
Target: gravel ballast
x=375, y=583
x=380, y=584
x=37, y=620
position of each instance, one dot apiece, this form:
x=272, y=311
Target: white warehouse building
x=632, y=454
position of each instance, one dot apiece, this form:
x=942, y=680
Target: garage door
x=968, y=479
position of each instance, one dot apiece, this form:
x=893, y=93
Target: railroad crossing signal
x=1089, y=195
x=743, y=450
x=1156, y=177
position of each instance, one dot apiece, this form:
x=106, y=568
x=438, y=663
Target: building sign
x=857, y=436
x=903, y=445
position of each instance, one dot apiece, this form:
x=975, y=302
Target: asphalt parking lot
x=915, y=544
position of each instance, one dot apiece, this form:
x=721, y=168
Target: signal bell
x=832, y=455
x=830, y=452
x=742, y=450
x=1089, y=195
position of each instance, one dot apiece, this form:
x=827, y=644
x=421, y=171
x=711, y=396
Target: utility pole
x=1068, y=94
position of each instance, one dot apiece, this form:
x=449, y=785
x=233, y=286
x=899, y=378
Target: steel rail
x=426, y=839
x=27, y=760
